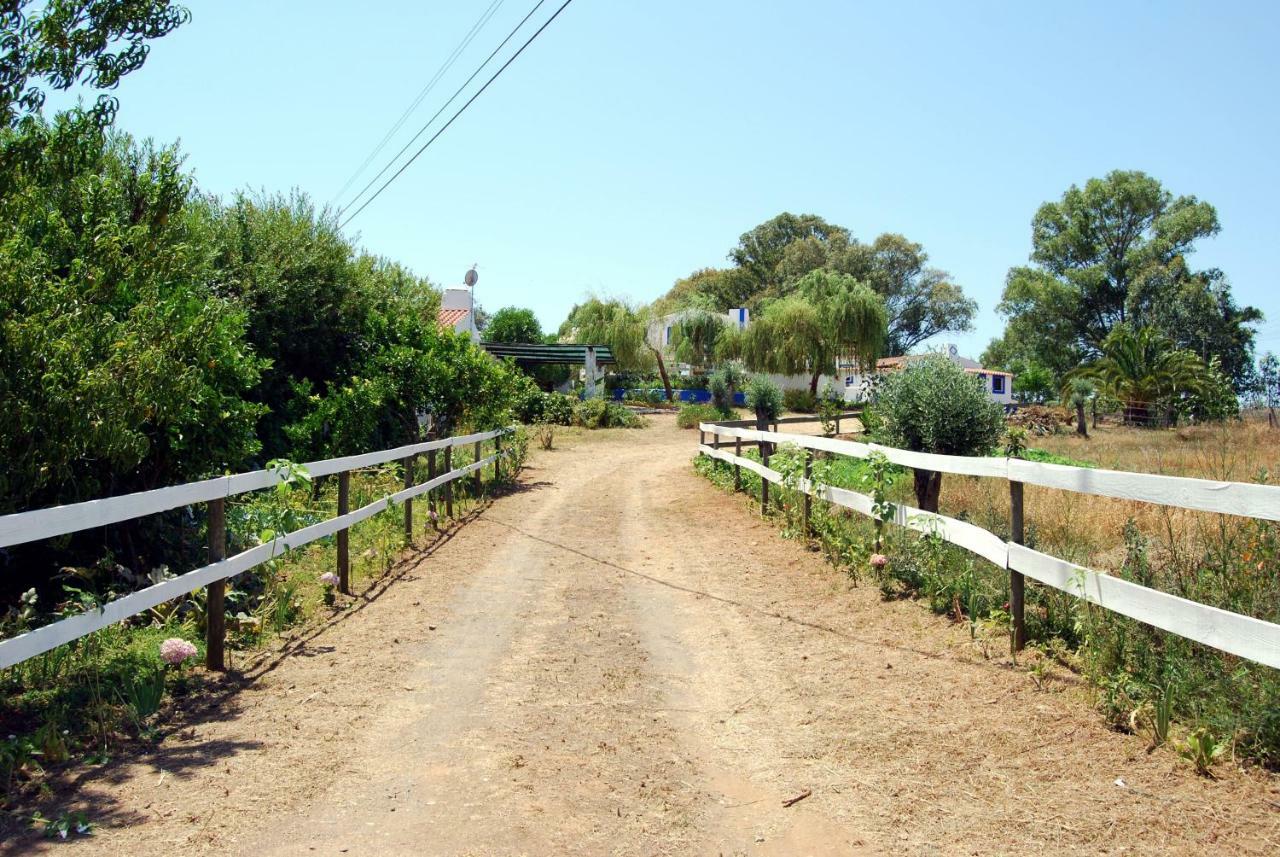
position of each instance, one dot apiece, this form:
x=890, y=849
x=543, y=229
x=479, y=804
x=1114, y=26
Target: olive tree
x=933, y=405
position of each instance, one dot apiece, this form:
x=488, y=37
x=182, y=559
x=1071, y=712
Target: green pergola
x=527, y=354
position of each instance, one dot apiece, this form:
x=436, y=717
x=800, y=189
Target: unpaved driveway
x=620, y=659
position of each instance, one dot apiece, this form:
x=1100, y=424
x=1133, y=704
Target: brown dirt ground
x=618, y=658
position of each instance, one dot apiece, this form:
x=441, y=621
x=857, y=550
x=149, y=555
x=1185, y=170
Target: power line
x=426, y=90
x=461, y=110
x=436, y=115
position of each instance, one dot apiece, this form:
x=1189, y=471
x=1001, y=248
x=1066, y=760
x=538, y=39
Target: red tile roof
x=449, y=318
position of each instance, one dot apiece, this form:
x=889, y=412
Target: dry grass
x=1089, y=530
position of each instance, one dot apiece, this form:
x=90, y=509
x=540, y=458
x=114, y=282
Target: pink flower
x=176, y=650
x=329, y=579
x=879, y=560
x=434, y=516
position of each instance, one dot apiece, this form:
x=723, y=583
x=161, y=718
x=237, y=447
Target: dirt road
x=620, y=659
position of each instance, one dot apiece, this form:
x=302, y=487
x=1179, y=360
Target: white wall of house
x=462, y=298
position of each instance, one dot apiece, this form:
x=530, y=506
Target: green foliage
x=69, y=43
x=598, y=413
x=121, y=368
x=933, y=405
x=1202, y=750
x=764, y=397
x=1150, y=376
x=800, y=401
x=826, y=317
x=771, y=259
x=1115, y=252
x=513, y=324
x=690, y=415
x=695, y=335
x=723, y=385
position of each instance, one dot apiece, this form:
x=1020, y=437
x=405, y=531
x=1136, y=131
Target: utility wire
x=461, y=110
x=426, y=90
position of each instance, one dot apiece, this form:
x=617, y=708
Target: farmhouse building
x=998, y=384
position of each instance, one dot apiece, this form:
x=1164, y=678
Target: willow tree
x=622, y=327
x=694, y=337
x=829, y=316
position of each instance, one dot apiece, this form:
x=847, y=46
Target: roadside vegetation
x=1206, y=705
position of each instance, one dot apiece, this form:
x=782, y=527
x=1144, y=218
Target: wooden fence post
x=497, y=462
x=344, y=534
x=762, y=424
x=448, y=486
x=431, y=474
x=737, y=468
x=408, y=504
x=702, y=438
x=215, y=639
x=477, y=477
x=1017, y=584
x=807, y=507
x=837, y=424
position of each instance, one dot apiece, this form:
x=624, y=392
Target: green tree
x=121, y=368
x=622, y=327
x=1115, y=252
x=771, y=259
x=829, y=316
x=933, y=405
x=513, y=324
x=694, y=337
x=67, y=43
x=1146, y=372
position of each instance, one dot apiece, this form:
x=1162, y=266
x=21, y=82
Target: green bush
x=764, y=397
x=598, y=413
x=800, y=401
x=723, y=385
x=691, y=414
x=557, y=408
x=933, y=405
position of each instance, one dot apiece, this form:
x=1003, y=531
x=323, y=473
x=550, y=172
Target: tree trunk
x=1081, y=428
x=1095, y=411
x=928, y=487
x=813, y=384
x=662, y=370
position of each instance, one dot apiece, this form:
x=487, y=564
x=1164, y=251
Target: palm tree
x=1143, y=369
x=827, y=317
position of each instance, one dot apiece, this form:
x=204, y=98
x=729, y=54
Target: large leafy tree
x=827, y=317
x=121, y=367
x=1115, y=252
x=513, y=324
x=769, y=261
x=67, y=43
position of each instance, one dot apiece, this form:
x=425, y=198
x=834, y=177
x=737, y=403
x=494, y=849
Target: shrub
x=933, y=405
x=723, y=385
x=557, y=408
x=690, y=415
x=597, y=413
x=801, y=401
x=764, y=397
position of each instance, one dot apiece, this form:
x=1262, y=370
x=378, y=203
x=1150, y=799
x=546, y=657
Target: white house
x=998, y=384
x=458, y=311
x=661, y=330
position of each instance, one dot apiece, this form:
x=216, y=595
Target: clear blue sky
x=634, y=141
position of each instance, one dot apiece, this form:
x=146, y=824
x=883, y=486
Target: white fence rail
x=1245, y=636
x=60, y=520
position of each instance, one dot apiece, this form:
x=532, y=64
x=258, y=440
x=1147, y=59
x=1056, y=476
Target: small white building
x=998, y=384
x=458, y=311
x=662, y=330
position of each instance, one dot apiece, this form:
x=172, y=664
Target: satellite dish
x=471, y=277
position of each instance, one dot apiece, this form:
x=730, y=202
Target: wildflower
x=176, y=650
x=329, y=579
x=879, y=560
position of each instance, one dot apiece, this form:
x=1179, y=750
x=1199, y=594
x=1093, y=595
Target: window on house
x=997, y=384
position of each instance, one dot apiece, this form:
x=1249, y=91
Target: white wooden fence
x=61, y=520
x=1245, y=636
